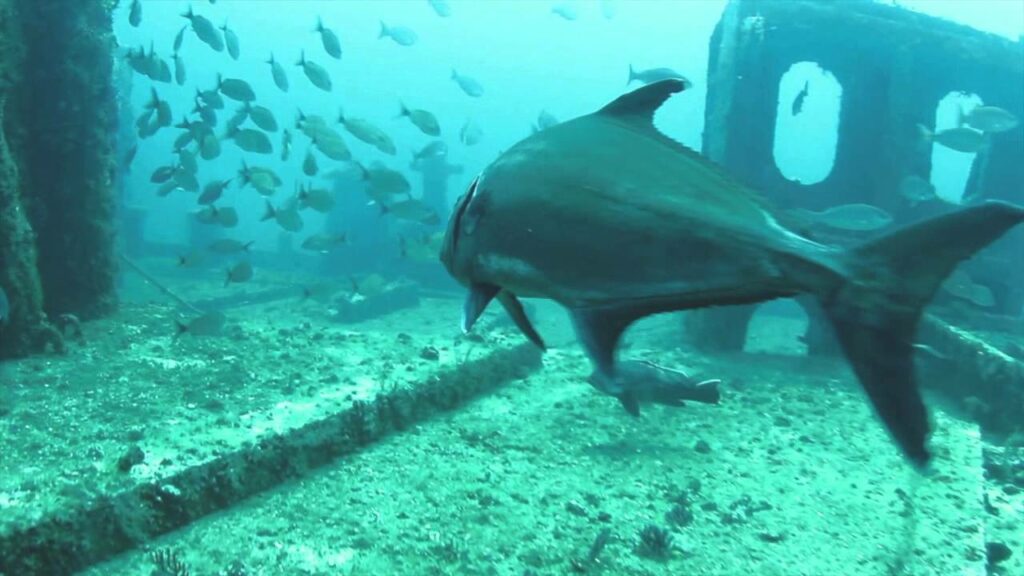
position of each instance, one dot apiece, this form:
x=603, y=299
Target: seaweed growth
x=168, y=563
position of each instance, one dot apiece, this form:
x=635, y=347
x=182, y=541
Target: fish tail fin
x=188, y=14
x=319, y=25
x=302, y=59
x=875, y=309
x=383, y=30
x=247, y=245
x=925, y=133
x=404, y=110
x=271, y=59
x=632, y=75
x=180, y=328
x=269, y=213
x=455, y=74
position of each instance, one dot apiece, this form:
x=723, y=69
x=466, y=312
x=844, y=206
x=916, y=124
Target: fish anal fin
x=640, y=104
x=515, y=310
x=480, y=295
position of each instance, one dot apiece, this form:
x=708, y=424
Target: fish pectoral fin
x=480, y=295
x=598, y=331
x=515, y=310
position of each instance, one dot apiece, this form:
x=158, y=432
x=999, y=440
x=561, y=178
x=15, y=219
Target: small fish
x=332, y=146
x=229, y=246
x=286, y=217
x=321, y=293
x=239, y=118
x=235, y=89
x=226, y=217
x=989, y=119
x=262, y=117
x=191, y=260
x=424, y=249
x=231, y=41
x=241, y=272
x=264, y=180
x=209, y=324
x=286, y=145
x=382, y=183
x=854, y=217
x=798, y=102
x=400, y=34
x=5, y=307
x=135, y=13
x=162, y=174
x=251, y=140
x=469, y=85
x=213, y=191
x=961, y=138
x=186, y=180
x=641, y=381
x=167, y=187
x=324, y=243
x=319, y=199
x=413, y=210
x=309, y=165
x=179, y=38
x=329, y=39
x=209, y=147
x=435, y=149
x=367, y=132
x=544, y=121
x=210, y=98
x=187, y=161
x=179, y=69
x=315, y=72
x=470, y=134
x=422, y=119
x=566, y=11
x=917, y=190
x=652, y=75
x=960, y=285
x=277, y=71
x=205, y=30
x=441, y=7
x=369, y=285
x=129, y=156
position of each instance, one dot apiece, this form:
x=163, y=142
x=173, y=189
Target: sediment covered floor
x=791, y=474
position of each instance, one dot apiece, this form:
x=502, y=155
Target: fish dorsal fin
x=640, y=104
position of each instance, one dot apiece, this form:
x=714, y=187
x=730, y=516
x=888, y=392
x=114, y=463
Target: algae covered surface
x=790, y=474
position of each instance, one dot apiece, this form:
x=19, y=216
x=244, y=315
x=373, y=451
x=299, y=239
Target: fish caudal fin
x=875, y=312
x=383, y=30
x=632, y=75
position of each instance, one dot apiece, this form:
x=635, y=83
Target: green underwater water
x=283, y=387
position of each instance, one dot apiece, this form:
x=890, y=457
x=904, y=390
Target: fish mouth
x=451, y=236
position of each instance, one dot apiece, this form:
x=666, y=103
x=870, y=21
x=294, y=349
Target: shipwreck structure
x=57, y=123
x=894, y=67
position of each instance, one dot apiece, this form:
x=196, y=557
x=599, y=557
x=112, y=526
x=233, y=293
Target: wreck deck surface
x=521, y=478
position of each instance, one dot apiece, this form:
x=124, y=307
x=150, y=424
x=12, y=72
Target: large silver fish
x=615, y=221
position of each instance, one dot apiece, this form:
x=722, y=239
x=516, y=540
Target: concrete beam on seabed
x=72, y=539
